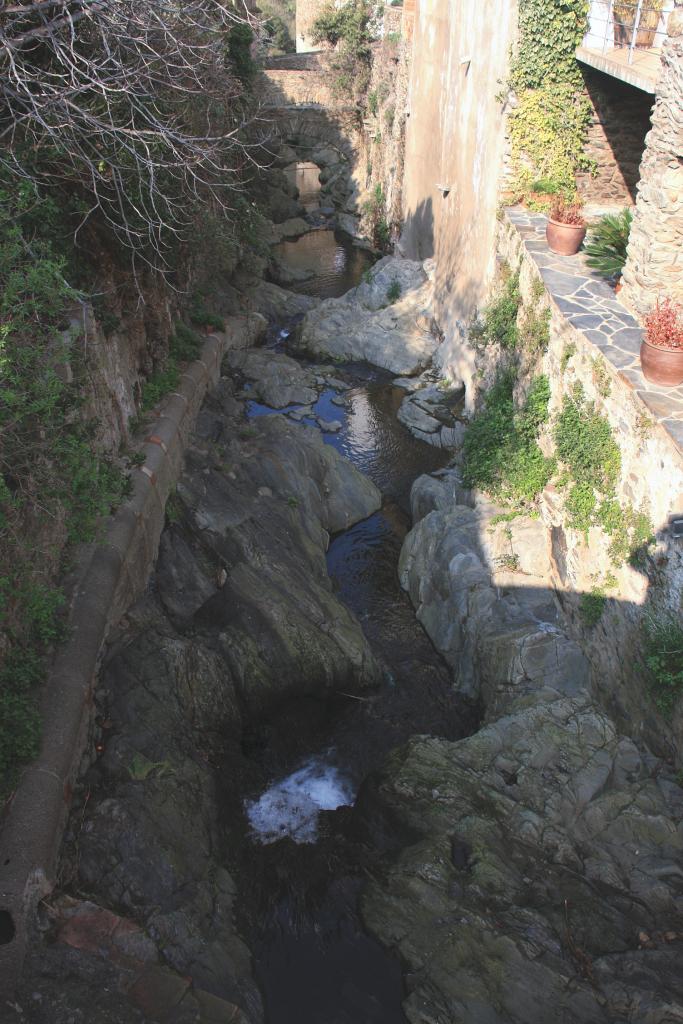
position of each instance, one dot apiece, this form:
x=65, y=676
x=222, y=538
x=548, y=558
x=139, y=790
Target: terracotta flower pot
x=663, y=366
x=564, y=239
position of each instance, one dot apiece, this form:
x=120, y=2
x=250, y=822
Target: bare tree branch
x=133, y=104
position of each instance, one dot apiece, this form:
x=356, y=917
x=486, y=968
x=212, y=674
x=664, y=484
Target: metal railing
x=627, y=25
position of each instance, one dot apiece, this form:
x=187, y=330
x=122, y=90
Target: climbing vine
x=549, y=32
x=549, y=124
x=548, y=135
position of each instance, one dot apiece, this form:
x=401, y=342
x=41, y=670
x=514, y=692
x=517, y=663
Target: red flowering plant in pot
x=661, y=350
x=566, y=228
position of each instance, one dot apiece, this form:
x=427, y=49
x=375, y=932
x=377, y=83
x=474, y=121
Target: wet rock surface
x=384, y=321
x=432, y=409
x=543, y=874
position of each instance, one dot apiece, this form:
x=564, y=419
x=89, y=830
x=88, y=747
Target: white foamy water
x=291, y=807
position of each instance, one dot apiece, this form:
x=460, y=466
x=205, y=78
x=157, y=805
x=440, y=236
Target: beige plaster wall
x=455, y=137
x=306, y=13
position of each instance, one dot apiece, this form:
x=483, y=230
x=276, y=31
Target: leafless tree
x=131, y=104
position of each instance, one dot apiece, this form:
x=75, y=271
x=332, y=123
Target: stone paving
x=591, y=306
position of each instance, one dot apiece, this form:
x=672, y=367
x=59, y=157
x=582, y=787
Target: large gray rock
x=240, y=617
x=274, y=302
x=538, y=875
x=365, y=325
x=278, y=381
x=542, y=878
x=291, y=228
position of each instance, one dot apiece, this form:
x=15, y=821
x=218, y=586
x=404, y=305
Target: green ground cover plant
x=54, y=484
x=663, y=642
x=501, y=451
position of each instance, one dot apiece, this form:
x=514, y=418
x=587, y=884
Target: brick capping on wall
x=114, y=578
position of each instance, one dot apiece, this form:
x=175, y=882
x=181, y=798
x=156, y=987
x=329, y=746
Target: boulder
x=278, y=381
x=274, y=302
x=362, y=325
x=536, y=869
x=291, y=228
x=284, y=274
x=240, y=616
x=541, y=879
x=279, y=205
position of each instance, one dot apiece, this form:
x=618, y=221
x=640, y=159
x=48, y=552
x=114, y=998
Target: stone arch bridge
x=309, y=122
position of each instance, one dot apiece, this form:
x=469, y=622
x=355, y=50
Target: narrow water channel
x=308, y=853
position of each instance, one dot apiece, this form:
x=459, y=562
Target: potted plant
x=661, y=350
x=649, y=20
x=607, y=243
x=624, y=17
x=566, y=228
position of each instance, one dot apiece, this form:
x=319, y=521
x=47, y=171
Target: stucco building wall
x=306, y=13
x=455, y=139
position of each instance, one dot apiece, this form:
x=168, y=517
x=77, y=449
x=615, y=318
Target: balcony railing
x=628, y=35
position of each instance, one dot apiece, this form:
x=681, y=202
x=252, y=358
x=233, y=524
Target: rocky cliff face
x=543, y=876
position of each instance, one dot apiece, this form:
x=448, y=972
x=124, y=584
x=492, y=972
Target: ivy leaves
x=548, y=127
x=550, y=31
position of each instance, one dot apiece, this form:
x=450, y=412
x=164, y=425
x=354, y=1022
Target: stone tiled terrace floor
x=591, y=306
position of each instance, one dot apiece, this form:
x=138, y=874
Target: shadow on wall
x=616, y=139
x=417, y=237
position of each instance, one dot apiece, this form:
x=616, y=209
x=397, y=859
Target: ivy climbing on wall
x=548, y=127
x=549, y=32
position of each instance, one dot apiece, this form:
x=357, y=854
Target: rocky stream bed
x=350, y=765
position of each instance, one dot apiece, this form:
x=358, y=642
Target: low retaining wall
x=114, y=579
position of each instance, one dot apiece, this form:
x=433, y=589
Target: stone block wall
x=654, y=268
x=616, y=140
x=301, y=79
x=651, y=480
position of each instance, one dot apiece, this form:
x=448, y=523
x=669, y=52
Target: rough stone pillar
x=306, y=13
x=654, y=267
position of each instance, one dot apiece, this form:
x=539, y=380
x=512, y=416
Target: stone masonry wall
x=616, y=140
x=651, y=480
x=300, y=79
x=654, y=268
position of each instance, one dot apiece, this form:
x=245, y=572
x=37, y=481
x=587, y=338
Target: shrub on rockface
x=348, y=28
x=501, y=452
x=664, y=660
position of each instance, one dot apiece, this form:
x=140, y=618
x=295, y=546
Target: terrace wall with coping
x=116, y=576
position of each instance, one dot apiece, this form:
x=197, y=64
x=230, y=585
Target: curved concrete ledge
x=116, y=576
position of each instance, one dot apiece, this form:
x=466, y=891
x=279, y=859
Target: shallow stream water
x=338, y=263
x=307, y=859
